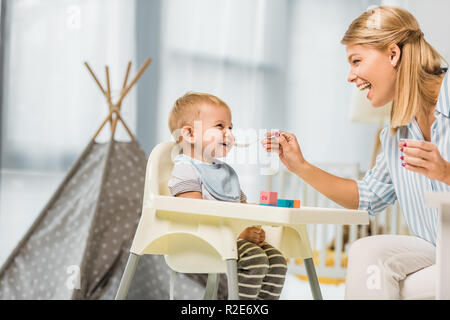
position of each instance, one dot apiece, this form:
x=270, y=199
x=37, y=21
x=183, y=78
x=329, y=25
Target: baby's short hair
x=187, y=108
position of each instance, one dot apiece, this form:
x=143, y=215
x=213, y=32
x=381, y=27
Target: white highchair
x=199, y=236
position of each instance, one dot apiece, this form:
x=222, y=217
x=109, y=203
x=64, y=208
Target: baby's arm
x=243, y=197
x=185, y=182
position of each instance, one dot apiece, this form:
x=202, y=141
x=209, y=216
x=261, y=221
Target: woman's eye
x=355, y=61
x=219, y=125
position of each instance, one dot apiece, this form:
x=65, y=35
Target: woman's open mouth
x=364, y=86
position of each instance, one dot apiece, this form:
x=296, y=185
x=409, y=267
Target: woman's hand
x=424, y=157
x=254, y=234
x=288, y=149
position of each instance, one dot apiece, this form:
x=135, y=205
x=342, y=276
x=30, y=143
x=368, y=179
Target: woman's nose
x=351, y=77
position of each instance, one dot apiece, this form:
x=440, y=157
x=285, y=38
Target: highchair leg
x=313, y=281
x=127, y=276
x=173, y=275
x=212, y=285
x=233, y=289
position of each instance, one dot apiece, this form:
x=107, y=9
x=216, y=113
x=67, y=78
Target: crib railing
x=330, y=243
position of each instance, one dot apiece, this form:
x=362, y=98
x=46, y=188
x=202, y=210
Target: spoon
x=247, y=144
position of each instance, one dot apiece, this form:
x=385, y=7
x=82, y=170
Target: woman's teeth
x=364, y=86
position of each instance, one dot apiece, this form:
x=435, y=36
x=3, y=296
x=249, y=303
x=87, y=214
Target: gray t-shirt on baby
x=185, y=178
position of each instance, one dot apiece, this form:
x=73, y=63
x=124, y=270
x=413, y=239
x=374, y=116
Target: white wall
x=52, y=106
x=433, y=18
x=318, y=91
x=319, y=94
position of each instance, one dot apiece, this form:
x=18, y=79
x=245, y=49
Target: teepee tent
x=78, y=246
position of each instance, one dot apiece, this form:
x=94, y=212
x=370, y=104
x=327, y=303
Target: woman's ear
x=394, y=53
x=187, y=133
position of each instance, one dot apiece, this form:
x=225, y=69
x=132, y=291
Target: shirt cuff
x=364, y=200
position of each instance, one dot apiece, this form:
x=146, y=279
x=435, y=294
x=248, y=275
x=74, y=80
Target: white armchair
x=441, y=201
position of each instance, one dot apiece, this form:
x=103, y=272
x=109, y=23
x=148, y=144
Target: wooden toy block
x=268, y=198
x=296, y=203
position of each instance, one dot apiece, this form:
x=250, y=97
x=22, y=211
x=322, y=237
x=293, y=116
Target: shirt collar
x=183, y=158
x=443, y=104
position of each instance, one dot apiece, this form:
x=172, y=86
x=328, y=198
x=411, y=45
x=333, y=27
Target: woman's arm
x=340, y=190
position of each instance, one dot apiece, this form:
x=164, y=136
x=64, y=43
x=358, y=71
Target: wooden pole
x=126, y=127
x=136, y=78
x=126, y=76
x=95, y=78
x=108, y=118
x=108, y=86
x=125, y=83
x=108, y=96
x=115, y=108
x=114, y=126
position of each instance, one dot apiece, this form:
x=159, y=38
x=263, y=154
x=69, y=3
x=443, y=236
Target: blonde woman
x=390, y=58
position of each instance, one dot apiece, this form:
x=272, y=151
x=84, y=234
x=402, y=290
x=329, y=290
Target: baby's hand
x=253, y=234
x=262, y=238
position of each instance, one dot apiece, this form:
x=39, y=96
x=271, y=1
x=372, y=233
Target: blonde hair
x=419, y=68
x=187, y=108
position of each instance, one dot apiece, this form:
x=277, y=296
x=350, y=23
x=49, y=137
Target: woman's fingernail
x=277, y=134
x=401, y=149
x=404, y=144
x=403, y=164
x=402, y=157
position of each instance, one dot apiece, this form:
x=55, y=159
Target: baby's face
x=215, y=138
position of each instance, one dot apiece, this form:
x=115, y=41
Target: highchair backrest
x=187, y=244
x=159, y=169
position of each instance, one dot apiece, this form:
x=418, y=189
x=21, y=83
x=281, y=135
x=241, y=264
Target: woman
x=389, y=56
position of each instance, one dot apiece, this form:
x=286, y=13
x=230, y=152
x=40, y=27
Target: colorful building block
x=285, y=203
x=288, y=203
x=268, y=198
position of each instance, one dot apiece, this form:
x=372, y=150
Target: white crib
x=329, y=271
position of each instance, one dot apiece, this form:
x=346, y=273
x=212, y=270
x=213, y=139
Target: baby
x=201, y=125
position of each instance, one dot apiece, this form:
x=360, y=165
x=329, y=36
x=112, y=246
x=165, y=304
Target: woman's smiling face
x=374, y=70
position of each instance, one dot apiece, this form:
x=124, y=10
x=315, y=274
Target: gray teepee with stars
x=78, y=246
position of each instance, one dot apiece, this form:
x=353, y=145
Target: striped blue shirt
x=388, y=181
